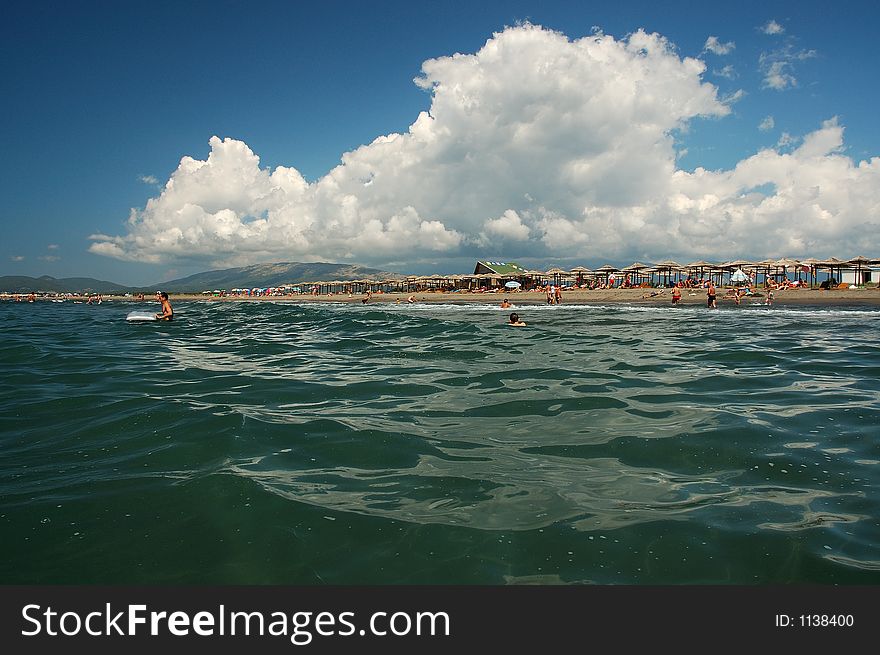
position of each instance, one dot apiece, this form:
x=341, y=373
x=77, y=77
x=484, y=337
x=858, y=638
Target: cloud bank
x=536, y=146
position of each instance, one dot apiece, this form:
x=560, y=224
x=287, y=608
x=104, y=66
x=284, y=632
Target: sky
x=148, y=141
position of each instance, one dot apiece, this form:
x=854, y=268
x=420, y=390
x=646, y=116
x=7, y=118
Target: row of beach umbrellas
x=668, y=269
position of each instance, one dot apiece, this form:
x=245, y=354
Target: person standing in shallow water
x=676, y=295
x=710, y=296
x=167, y=312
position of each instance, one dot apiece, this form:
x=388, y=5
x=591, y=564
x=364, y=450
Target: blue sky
x=103, y=99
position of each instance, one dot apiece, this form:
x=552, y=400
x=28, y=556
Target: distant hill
x=25, y=284
x=271, y=275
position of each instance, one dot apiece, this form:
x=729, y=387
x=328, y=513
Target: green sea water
x=331, y=443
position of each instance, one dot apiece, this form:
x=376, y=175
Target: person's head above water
x=163, y=295
x=514, y=318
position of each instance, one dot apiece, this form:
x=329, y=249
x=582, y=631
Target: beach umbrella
x=607, y=269
x=636, y=269
x=831, y=263
x=697, y=266
x=667, y=267
x=580, y=272
x=556, y=272
x=512, y=284
x=786, y=263
x=739, y=264
x=859, y=261
x=812, y=262
x=739, y=276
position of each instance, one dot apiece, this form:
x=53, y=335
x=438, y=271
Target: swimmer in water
x=514, y=320
x=167, y=313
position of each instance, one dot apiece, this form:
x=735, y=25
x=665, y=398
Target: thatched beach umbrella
x=831, y=263
x=812, y=263
x=535, y=277
x=735, y=265
x=787, y=263
x=580, y=272
x=636, y=269
x=607, y=269
x=764, y=267
x=700, y=265
x=556, y=272
x=668, y=267
x=858, y=262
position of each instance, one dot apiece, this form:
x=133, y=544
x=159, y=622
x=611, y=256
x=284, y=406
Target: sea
x=285, y=443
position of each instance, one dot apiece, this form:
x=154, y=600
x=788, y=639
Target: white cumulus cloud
x=777, y=65
x=767, y=124
x=777, y=75
x=715, y=46
x=772, y=27
x=548, y=146
x=507, y=226
x=728, y=72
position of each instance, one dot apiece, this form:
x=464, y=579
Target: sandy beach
x=579, y=296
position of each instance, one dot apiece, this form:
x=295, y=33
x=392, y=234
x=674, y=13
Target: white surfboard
x=140, y=317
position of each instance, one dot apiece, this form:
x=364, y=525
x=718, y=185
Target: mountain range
x=245, y=277
x=25, y=284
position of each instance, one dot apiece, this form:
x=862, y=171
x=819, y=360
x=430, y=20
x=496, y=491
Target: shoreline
x=863, y=296
x=575, y=297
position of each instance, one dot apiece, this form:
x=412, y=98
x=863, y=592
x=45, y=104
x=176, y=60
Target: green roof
x=499, y=268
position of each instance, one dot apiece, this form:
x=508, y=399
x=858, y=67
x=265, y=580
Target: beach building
x=498, y=269
x=860, y=276
x=494, y=272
